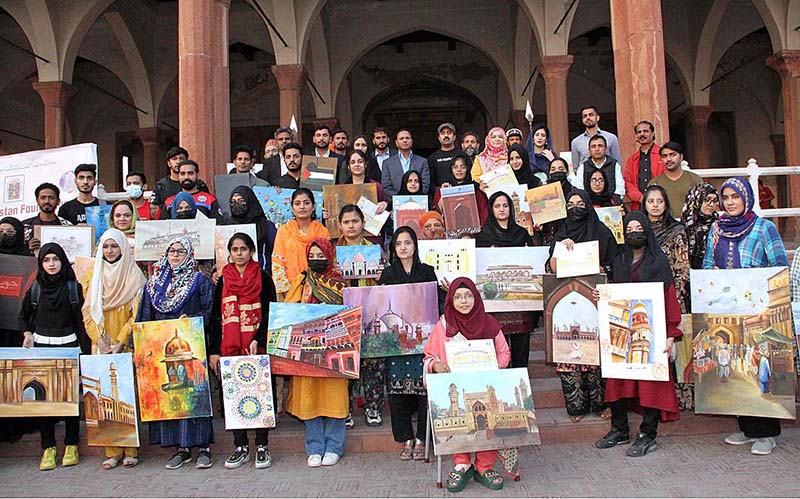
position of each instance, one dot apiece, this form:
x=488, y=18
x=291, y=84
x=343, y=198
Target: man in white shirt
x=599, y=160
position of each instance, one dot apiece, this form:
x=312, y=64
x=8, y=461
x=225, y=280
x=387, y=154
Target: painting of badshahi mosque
x=481, y=410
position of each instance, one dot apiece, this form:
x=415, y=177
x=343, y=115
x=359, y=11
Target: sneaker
x=612, y=438
x=48, y=459
x=239, y=456
x=314, y=461
x=373, y=417
x=642, y=445
x=329, y=459
x=179, y=459
x=761, y=447
x=71, y=456
x=204, y=459
x=348, y=422
x=738, y=439
x=263, y=459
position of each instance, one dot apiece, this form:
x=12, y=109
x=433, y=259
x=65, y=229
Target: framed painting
x=247, y=392
x=337, y=196
x=17, y=273
x=39, y=382
x=76, y=240
x=152, y=237
x=450, y=258
x=318, y=172
x=460, y=211
x=109, y=400
x=510, y=279
x=359, y=262
x=277, y=203
x=547, y=203
x=570, y=319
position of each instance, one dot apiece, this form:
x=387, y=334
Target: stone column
x=55, y=95
x=153, y=166
x=221, y=89
x=699, y=153
x=787, y=64
x=640, y=69
x=291, y=78
x=555, y=69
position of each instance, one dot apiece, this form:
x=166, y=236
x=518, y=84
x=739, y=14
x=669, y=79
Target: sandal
x=490, y=479
x=407, y=452
x=576, y=419
x=606, y=414
x=419, y=452
x=457, y=480
x=110, y=463
x=130, y=462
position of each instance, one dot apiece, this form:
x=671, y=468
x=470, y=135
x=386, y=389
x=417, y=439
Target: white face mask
x=134, y=191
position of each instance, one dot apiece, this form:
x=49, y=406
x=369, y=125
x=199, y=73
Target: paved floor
x=699, y=466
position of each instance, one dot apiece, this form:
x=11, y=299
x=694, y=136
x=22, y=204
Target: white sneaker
x=330, y=459
x=314, y=461
x=761, y=447
x=738, y=439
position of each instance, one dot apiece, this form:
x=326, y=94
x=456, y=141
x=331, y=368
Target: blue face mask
x=134, y=191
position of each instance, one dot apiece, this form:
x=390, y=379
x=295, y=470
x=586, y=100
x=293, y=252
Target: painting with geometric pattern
x=247, y=392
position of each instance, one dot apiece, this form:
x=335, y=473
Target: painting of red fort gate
x=109, y=400
x=38, y=382
x=481, y=410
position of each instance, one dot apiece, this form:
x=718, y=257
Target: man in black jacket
x=439, y=162
x=170, y=185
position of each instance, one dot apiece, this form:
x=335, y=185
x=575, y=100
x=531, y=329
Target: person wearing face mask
x=12, y=238
x=112, y=300
x=182, y=207
x=135, y=185
x=559, y=169
x=245, y=209
x=188, y=173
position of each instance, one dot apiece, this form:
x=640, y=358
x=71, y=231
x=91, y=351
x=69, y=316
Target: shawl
x=55, y=293
x=170, y=287
x=604, y=198
x=241, y=307
x=19, y=247
x=134, y=216
x=395, y=273
x=115, y=284
x=524, y=174
x=730, y=230
x=492, y=234
x=491, y=157
x=289, y=253
x=697, y=224
x=328, y=286
x=653, y=267
x=477, y=324
x=182, y=196
x=404, y=184
x=666, y=227
x=589, y=228
x=255, y=215
x=540, y=162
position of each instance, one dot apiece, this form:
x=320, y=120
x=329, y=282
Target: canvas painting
x=510, y=279
x=225, y=184
x=450, y=258
x=152, y=237
x=39, y=382
x=612, y=218
x=570, y=319
x=471, y=355
x=743, y=342
x=97, y=217
x=318, y=172
x=171, y=369
x=481, y=410
x=359, y=262
x=373, y=222
x=109, y=400
x=247, y=392
x=322, y=341
x=223, y=234
x=17, y=273
x=583, y=259
x=84, y=269
x=683, y=352
x=76, y=241
x=547, y=203
x=395, y=320
x=337, y=196
x=408, y=210
x=499, y=178
x=277, y=203
x=460, y=211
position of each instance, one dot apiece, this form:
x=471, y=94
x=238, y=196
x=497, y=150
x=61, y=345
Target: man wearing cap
x=274, y=167
x=675, y=180
x=513, y=136
x=439, y=162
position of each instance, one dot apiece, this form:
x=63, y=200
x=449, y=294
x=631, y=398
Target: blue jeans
x=325, y=435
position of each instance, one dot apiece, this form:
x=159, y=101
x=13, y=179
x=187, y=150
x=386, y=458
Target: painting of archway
x=571, y=325
x=34, y=391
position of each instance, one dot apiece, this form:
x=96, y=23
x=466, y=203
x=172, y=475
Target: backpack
x=72, y=290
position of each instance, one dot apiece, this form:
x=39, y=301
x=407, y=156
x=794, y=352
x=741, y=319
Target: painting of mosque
x=408, y=209
x=612, y=218
x=450, y=258
x=109, y=400
x=152, y=237
x=277, y=203
x=39, y=382
x=510, y=279
x=17, y=273
x=315, y=340
x=742, y=343
x=570, y=317
x=460, y=211
x=171, y=369
x=547, y=203
x=633, y=333
x=395, y=320
x=481, y=410
x=247, y=392
x=76, y=241
x=359, y=262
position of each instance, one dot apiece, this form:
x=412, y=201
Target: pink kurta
x=434, y=347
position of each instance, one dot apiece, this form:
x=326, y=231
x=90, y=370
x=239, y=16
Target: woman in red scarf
x=239, y=320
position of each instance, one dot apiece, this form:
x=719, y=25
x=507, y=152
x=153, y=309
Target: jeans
x=325, y=434
x=240, y=437
x=619, y=418
x=47, y=430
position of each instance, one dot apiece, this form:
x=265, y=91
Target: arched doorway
x=33, y=391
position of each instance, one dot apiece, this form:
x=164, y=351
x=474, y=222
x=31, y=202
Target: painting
x=471, y=355
x=612, y=218
x=225, y=184
x=796, y=317
x=460, y=211
x=318, y=172
x=743, y=342
x=408, y=210
x=395, y=320
x=570, y=319
x=481, y=410
x=39, y=382
x=582, y=259
x=547, y=203
x=373, y=222
x=322, y=341
x=450, y=258
x=76, y=241
x=247, y=392
x=498, y=179
x=17, y=273
x=337, y=196
x=359, y=262
x=223, y=234
x=171, y=369
x=97, y=217
x=109, y=400
x=277, y=203
x=152, y=237
x=510, y=279
x=84, y=269
x=522, y=210
x=683, y=352
x=633, y=331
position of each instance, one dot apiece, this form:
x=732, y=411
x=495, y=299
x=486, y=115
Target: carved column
x=55, y=96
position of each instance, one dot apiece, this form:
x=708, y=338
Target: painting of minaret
x=109, y=400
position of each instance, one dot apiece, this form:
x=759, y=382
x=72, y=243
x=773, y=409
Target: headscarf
x=653, y=266
x=182, y=196
x=169, y=287
x=477, y=324
x=404, y=185
x=696, y=222
x=492, y=234
x=589, y=228
x=428, y=215
x=492, y=157
x=540, y=162
x=19, y=247
x=729, y=230
x=395, y=272
x=328, y=286
x=114, y=284
x=604, y=198
x=524, y=174
x=241, y=307
x=666, y=227
x=134, y=216
x=255, y=215
x=54, y=287
x=566, y=186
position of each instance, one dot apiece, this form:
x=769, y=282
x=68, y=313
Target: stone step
x=547, y=393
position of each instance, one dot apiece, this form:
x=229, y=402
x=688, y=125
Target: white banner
x=21, y=174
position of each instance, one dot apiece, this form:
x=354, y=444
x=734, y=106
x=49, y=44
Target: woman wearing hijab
x=582, y=385
x=459, y=175
x=245, y=209
x=465, y=318
x=12, y=238
x=642, y=260
x=542, y=151
x=521, y=166
x=740, y=239
x=698, y=215
x=321, y=403
x=494, y=154
x=112, y=300
x=183, y=207
x=600, y=197
x=177, y=290
x=50, y=316
x=559, y=171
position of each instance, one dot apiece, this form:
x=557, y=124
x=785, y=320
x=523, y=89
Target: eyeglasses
x=711, y=200
x=597, y=181
x=177, y=252
x=579, y=204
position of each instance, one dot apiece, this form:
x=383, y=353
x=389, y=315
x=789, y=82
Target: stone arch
x=34, y=391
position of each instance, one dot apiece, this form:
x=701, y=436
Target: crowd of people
x=674, y=222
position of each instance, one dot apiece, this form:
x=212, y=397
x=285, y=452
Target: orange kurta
x=289, y=252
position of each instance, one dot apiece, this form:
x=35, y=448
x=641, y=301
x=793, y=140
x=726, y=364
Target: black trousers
x=619, y=418
x=754, y=427
x=47, y=430
x=240, y=437
x=520, y=346
x=403, y=407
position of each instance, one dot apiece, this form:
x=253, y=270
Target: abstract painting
x=742, y=342
x=277, y=203
x=223, y=234
x=481, y=410
x=97, y=217
x=570, y=319
x=510, y=279
x=683, y=352
x=395, y=320
x=337, y=196
x=359, y=262
x=171, y=369
x=582, y=259
x=109, y=400
x=612, y=218
x=39, y=382
x=318, y=172
x=76, y=241
x=460, y=211
x=408, y=210
x=152, y=237
x=247, y=392
x=547, y=203
x=322, y=341
x=450, y=258
x=17, y=273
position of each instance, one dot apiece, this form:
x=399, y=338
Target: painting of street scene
x=109, y=400
x=570, y=319
x=510, y=279
x=39, y=382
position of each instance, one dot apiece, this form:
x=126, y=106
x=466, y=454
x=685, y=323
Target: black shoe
x=239, y=456
x=642, y=445
x=263, y=459
x=613, y=438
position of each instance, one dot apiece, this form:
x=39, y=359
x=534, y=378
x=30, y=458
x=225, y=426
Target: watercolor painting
x=109, y=400
x=337, y=196
x=171, y=369
x=247, y=392
x=39, y=382
x=408, y=210
x=223, y=234
x=460, y=211
x=499, y=178
x=481, y=410
x=510, y=279
x=547, y=203
x=152, y=237
x=612, y=218
x=570, y=319
x=583, y=259
x=395, y=320
x=318, y=172
x=471, y=355
x=17, y=273
x=359, y=262
x=76, y=241
x=684, y=366
x=277, y=203
x=97, y=217
x=450, y=258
